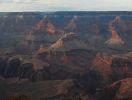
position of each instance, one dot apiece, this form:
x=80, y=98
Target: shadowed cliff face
x=66, y=60
x=121, y=68
x=54, y=67
x=62, y=55
x=30, y=30
x=69, y=51
x=17, y=22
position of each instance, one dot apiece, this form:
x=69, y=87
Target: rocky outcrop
x=113, y=67
x=72, y=25
x=102, y=63
x=17, y=23
x=68, y=42
x=119, y=90
x=121, y=68
x=12, y=67
x=30, y=30
x=115, y=38
x=45, y=25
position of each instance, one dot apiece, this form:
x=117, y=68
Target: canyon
x=66, y=56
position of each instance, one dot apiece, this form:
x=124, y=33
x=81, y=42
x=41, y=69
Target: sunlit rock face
x=44, y=25
x=66, y=54
x=70, y=52
x=115, y=38
x=68, y=42
x=30, y=30
x=102, y=63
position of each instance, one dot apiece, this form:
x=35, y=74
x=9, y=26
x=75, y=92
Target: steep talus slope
x=70, y=52
x=68, y=42
x=45, y=28
x=64, y=55
x=115, y=38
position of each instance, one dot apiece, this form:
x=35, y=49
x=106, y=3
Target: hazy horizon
x=63, y=5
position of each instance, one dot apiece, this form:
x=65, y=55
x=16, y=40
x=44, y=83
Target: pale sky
x=65, y=5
